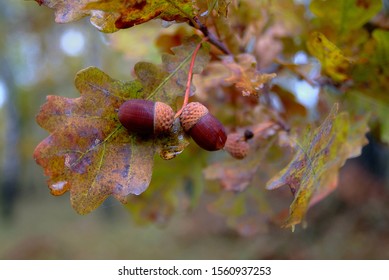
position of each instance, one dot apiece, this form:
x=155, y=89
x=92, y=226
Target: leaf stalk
x=190, y=75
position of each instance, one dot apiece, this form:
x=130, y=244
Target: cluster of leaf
x=89, y=152
x=242, y=77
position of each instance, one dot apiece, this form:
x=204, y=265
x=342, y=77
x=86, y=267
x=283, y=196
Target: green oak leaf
x=345, y=15
x=334, y=63
x=313, y=172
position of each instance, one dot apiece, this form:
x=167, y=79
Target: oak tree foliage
x=255, y=59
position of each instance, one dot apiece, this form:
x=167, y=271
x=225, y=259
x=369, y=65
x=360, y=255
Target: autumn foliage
x=252, y=58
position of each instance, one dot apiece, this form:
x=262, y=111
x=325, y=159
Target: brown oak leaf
x=89, y=153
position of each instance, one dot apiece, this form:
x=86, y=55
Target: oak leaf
x=313, y=171
x=88, y=152
x=112, y=15
x=244, y=74
x=334, y=63
x=239, y=71
x=345, y=15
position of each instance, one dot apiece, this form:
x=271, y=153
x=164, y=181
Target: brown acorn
x=146, y=117
x=204, y=128
x=237, y=146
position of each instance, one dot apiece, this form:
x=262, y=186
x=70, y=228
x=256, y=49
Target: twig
x=195, y=21
x=211, y=37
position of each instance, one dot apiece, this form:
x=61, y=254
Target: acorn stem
x=190, y=74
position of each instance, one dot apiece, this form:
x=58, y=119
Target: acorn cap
x=163, y=117
x=236, y=146
x=191, y=113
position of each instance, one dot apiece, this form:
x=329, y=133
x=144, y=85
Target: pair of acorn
x=146, y=118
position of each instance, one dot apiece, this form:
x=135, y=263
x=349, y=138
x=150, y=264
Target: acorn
x=204, y=128
x=237, y=146
x=146, y=117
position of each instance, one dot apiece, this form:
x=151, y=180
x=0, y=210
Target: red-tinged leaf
x=88, y=152
x=111, y=15
x=313, y=171
x=244, y=74
x=240, y=71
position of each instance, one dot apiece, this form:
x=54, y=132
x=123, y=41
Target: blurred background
x=39, y=57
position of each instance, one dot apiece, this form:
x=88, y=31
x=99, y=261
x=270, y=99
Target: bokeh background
x=39, y=57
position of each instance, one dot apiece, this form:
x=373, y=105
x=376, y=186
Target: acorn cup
x=145, y=117
x=203, y=127
x=237, y=146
